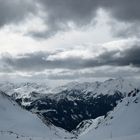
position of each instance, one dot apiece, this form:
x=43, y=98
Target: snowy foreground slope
x=17, y=123
x=123, y=123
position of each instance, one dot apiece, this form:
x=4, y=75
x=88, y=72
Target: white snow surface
x=24, y=88
x=107, y=87
x=85, y=126
x=123, y=123
x=17, y=123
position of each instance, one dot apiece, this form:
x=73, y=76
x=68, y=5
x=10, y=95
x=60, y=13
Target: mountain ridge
x=74, y=102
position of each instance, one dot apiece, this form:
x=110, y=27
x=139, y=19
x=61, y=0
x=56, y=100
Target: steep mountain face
x=77, y=102
x=68, y=113
x=68, y=105
x=15, y=123
x=122, y=123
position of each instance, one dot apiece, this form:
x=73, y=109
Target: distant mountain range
x=99, y=110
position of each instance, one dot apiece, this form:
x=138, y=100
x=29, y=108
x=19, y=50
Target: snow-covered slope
x=107, y=87
x=123, y=123
x=16, y=122
x=86, y=125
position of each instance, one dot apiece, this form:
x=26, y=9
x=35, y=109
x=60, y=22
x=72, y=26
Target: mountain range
x=99, y=110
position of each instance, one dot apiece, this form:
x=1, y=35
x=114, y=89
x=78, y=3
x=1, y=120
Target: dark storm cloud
x=126, y=57
x=60, y=12
x=126, y=10
x=79, y=11
x=27, y=62
x=82, y=12
x=40, y=61
x=13, y=11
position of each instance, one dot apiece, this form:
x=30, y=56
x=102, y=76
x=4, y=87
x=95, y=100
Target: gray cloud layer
x=60, y=12
x=82, y=12
x=39, y=61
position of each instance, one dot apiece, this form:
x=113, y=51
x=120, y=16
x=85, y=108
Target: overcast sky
x=66, y=40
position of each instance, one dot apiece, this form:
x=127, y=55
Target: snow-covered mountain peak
x=108, y=87
x=23, y=88
x=112, y=85
x=78, y=86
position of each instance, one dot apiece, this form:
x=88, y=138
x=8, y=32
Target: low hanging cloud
x=41, y=61
x=102, y=72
